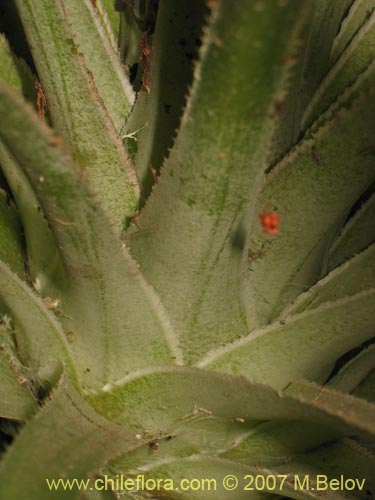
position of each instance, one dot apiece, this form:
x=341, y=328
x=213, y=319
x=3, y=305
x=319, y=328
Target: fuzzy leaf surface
x=11, y=244
x=169, y=71
x=355, y=371
x=101, y=58
x=354, y=276
x=203, y=412
x=190, y=227
x=41, y=343
x=66, y=439
x=312, y=190
x=305, y=345
x=76, y=106
x=273, y=443
x=43, y=259
x=344, y=458
x=357, y=234
x=217, y=469
x=16, y=400
x=110, y=18
x=311, y=63
x=116, y=321
x=42, y=256
x=353, y=410
x=352, y=62
x=359, y=13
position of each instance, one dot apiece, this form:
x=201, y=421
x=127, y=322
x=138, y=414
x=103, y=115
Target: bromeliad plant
x=187, y=245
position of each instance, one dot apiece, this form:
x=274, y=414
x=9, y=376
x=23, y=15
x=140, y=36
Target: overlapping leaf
x=305, y=345
x=66, y=439
x=312, y=190
x=17, y=402
x=352, y=277
x=190, y=227
x=168, y=69
x=356, y=235
x=75, y=97
x=11, y=244
x=359, y=12
x=202, y=412
x=351, y=63
x=107, y=307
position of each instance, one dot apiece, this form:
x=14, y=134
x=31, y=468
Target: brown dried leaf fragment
x=145, y=47
x=41, y=101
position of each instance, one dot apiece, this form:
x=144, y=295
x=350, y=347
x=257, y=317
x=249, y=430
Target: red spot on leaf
x=270, y=222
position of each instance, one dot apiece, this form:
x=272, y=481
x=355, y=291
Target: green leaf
x=312, y=62
x=357, y=234
x=190, y=226
x=202, y=412
x=66, y=439
x=273, y=443
x=42, y=256
x=43, y=259
x=169, y=71
x=110, y=19
x=117, y=323
x=11, y=244
x=312, y=190
x=41, y=342
x=17, y=402
x=129, y=36
x=352, y=277
x=366, y=389
x=215, y=471
x=363, y=83
x=16, y=72
x=75, y=103
x=305, y=345
x=352, y=410
x=343, y=458
x=101, y=57
x=352, y=62
x=358, y=15
x=355, y=371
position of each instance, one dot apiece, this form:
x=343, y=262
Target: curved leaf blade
x=305, y=345
x=312, y=190
x=67, y=428
x=76, y=109
x=353, y=410
x=16, y=399
x=359, y=12
x=352, y=277
x=356, y=235
x=355, y=371
x=41, y=343
x=117, y=322
x=192, y=395
x=44, y=264
x=155, y=117
x=101, y=58
x=352, y=62
x=191, y=225
x=11, y=244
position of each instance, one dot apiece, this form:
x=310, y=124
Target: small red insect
x=270, y=222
